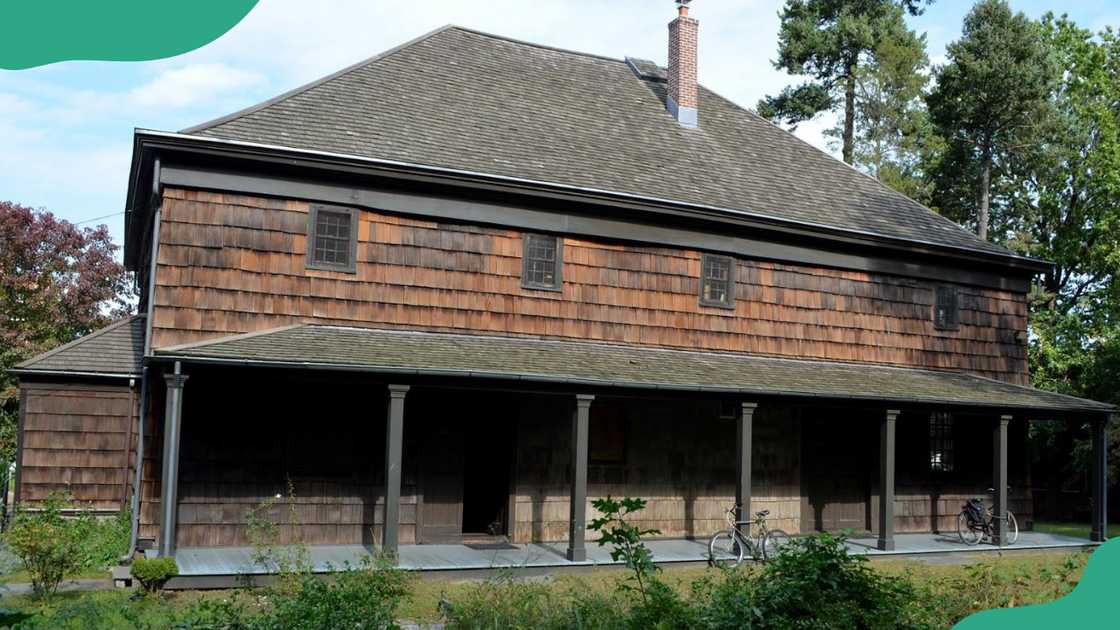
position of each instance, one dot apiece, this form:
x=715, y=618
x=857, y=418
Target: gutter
x=137, y=478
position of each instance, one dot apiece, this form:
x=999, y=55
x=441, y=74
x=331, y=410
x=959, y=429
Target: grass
x=1078, y=530
x=426, y=594
x=112, y=609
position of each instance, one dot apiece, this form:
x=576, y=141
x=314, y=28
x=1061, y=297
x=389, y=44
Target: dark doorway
x=838, y=455
x=486, y=477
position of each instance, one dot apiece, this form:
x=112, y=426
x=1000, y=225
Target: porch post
x=744, y=432
x=169, y=482
x=886, y=479
x=577, y=523
x=1099, y=528
x=394, y=434
x=999, y=481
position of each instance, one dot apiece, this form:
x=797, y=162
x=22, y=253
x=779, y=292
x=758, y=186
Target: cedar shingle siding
x=232, y=264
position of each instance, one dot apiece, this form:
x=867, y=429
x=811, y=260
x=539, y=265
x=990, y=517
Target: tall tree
x=893, y=137
x=998, y=77
x=828, y=40
x=57, y=282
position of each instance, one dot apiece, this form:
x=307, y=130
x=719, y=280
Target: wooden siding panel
x=75, y=439
x=232, y=264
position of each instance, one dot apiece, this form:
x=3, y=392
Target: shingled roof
x=594, y=364
x=474, y=102
x=114, y=351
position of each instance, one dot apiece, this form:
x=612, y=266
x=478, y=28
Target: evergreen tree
x=828, y=40
x=998, y=78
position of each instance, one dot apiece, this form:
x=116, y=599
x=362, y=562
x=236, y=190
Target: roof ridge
x=514, y=40
x=84, y=338
x=316, y=83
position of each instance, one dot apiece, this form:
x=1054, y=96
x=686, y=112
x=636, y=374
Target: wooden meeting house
x=457, y=291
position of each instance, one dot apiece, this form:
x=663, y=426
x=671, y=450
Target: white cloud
x=193, y=84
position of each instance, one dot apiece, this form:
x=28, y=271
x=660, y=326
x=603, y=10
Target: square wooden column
x=744, y=445
x=999, y=480
x=169, y=482
x=887, y=431
x=577, y=522
x=394, y=439
x=1098, y=531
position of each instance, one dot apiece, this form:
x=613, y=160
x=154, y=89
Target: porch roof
x=116, y=351
x=598, y=364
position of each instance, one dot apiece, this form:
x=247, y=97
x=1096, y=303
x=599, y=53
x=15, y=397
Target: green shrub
x=102, y=542
x=363, y=597
x=153, y=573
x=815, y=583
x=508, y=603
x=46, y=545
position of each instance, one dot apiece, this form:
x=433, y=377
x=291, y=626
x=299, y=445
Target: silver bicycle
x=730, y=546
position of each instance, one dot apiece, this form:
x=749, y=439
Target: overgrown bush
x=102, y=542
x=46, y=545
x=153, y=573
x=506, y=602
x=363, y=597
x=815, y=583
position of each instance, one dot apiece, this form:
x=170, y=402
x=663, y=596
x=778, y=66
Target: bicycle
x=728, y=547
x=976, y=521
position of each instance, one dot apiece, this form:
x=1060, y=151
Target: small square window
x=941, y=442
x=332, y=239
x=717, y=281
x=542, y=262
x=946, y=309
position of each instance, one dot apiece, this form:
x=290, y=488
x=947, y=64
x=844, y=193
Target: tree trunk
x=985, y=193
x=850, y=113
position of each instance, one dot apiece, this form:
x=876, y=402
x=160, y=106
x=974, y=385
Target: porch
x=431, y=438
x=217, y=564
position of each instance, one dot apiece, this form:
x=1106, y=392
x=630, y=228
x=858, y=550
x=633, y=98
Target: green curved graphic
x=39, y=32
x=1090, y=605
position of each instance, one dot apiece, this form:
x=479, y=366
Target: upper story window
x=941, y=442
x=717, y=281
x=946, y=308
x=542, y=262
x=332, y=238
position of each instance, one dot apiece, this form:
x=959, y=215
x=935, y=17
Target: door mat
x=494, y=546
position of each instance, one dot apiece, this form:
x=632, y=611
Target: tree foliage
x=828, y=40
x=57, y=282
x=986, y=101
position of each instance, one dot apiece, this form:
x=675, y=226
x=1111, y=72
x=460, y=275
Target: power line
x=108, y=216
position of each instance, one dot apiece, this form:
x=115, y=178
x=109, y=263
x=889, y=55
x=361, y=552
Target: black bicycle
x=977, y=522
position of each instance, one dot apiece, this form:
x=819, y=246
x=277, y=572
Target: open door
x=440, y=519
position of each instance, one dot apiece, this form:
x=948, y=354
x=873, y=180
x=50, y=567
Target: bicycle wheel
x=724, y=549
x=773, y=544
x=1012, y=529
x=970, y=533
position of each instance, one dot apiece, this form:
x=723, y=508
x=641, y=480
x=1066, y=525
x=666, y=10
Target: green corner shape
x=1092, y=604
x=40, y=32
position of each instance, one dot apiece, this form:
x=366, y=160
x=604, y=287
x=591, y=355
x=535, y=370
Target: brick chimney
x=684, y=92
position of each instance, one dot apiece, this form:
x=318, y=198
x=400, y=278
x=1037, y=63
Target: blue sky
x=65, y=129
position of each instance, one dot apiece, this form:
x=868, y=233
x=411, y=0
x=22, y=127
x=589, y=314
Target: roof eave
x=148, y=143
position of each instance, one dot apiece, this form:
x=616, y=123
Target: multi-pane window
x=332, y=238
x=941, y=442
x=542, y=262
x=946, y=308
x=717, y=281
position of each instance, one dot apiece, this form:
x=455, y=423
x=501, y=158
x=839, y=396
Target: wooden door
x=441, y=481
x=837, y=461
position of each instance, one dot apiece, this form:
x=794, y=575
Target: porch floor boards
x=234, y=561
